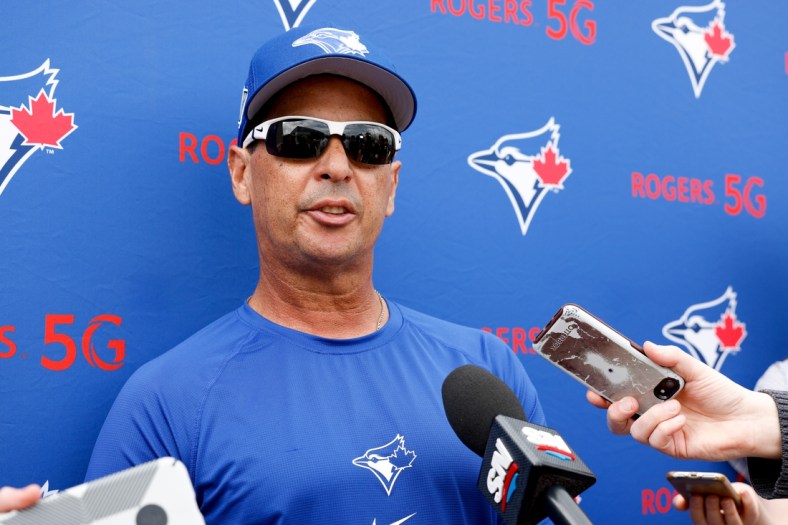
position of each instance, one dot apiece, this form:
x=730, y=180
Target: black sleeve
x=770, y=476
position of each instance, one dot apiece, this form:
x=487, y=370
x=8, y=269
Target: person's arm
x=712, y=418
x=754, y=510
x=16, y=499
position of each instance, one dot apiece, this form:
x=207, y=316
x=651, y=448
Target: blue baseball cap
x=305, y=51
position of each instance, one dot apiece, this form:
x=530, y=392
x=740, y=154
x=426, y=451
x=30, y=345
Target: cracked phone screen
x=597, y=361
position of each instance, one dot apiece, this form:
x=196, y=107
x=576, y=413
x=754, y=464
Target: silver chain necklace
x=382, y=311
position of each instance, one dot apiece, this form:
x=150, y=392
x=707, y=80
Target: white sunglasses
x=296, y=137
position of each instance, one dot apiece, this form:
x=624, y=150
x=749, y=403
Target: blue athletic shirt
x=276, y=426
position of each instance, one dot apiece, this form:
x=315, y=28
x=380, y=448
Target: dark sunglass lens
x=297, y=139
x=368, y=144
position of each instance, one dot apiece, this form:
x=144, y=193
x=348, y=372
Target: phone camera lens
x=666, y=388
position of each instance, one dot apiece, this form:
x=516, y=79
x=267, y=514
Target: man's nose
x=335, y=160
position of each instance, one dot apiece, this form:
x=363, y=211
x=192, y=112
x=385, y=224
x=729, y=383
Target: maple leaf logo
x=551, y=168
x=41, y=125
x=720, y=42
x=730, y=332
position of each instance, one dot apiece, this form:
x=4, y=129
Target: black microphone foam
x=472, y=398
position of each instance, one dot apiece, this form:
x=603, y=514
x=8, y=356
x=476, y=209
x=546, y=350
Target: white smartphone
x=157, y=492
x=703, y=484
x=603, y=360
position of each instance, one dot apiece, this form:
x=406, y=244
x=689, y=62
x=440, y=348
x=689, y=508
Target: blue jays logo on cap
x=333, y=40
x=698, y=34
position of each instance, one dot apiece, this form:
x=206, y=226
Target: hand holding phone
x=702, y=484
x=604, y=360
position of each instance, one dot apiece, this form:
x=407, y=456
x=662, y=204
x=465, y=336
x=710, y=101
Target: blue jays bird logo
x=387, y=462
x=292, y=12
x=528, y=166
x=709, y=331
x=699, y=35
x=29, y=121
x=333, y=40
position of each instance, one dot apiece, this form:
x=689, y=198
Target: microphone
x=528, y=471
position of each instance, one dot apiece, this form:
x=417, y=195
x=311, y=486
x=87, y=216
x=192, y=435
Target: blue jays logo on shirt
x=387, y=462
x=527, y=165
x=29, y=121
x=709, y=331
x=332, y=40
x=699, y=35
x=292, y=12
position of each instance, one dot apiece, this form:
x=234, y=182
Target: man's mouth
x=333, y=210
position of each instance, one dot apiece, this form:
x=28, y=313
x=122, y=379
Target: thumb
x=674, y=358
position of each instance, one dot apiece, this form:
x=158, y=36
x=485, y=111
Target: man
x=714, y=419
x=316, y=401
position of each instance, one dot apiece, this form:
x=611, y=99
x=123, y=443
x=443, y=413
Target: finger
x=712, y=507
x=668, y=438
x=596, y=400
x=697, y=510
x=750, y=510
x=680, y=503
x=14, y=499
x=673, y=357
x=619, y=415
x=730, y=512
x=660, y=414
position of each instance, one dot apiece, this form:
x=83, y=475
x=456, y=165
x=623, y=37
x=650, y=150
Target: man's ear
x=395, y=167
x=238, y=161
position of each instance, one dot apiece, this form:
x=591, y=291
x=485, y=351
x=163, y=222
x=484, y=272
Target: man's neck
x=334, y=308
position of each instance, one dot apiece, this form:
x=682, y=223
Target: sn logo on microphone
x=551, y=444
x=502, y=477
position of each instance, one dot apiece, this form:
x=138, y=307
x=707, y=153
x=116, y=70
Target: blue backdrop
x=626, y=156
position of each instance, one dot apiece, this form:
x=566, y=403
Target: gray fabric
x=770, y=476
